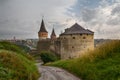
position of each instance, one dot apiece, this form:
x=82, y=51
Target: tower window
x=84, y=37
x=73, y=37
x=72, y=46
x=80, y=34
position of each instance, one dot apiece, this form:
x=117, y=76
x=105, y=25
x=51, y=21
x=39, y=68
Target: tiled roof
x=77, y=29
x=42, y=28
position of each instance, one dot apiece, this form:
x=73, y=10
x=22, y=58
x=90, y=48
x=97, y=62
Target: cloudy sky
x=22, y=18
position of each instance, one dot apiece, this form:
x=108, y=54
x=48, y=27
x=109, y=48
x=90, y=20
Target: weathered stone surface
x=70, y=44
x=43, y=45
x=74, y=45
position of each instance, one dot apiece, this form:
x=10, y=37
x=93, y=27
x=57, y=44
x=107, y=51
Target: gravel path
x=54, y=73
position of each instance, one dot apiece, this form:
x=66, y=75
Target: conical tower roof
x=53, y=33
x=77, y=29
x=42, y=28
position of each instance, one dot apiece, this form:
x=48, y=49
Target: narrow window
x=84, y=37
x=73, y=37
x=80, y=34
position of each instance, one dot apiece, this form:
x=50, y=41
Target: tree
x=48, y=57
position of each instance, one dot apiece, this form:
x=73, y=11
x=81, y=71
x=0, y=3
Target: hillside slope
x=15, y=64
x=101, y=64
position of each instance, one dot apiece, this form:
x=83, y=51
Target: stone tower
x=42, y=34
x=75, y=41
x=53, y=35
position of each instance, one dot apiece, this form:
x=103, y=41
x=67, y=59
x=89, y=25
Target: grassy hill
x=101, y=64
x=15, y=64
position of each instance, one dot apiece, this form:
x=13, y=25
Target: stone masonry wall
x=74, y=45
x=43, y=45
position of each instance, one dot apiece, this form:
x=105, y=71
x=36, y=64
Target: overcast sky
x=22, y=18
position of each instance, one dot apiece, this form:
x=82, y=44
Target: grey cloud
x=104, y=20
x=89, y=14
x=115, y=16
x=23, y=17
x=116, y=10
x=113, y=22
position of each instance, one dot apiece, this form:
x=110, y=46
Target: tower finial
x=42, y=17
x=53, y=26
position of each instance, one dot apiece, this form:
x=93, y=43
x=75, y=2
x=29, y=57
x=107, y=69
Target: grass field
x=101, y=64
x=15, y=64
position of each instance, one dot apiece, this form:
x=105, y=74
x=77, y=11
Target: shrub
x=48, y=57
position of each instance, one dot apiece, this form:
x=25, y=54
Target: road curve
x=54, y=73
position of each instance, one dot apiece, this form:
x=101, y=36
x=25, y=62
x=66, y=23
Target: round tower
x=42, y=34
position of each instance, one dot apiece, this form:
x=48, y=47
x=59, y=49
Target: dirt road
x=53, y=73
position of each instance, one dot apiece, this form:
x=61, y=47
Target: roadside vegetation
x=48, y=57
x=15, y=64
x=101, y=64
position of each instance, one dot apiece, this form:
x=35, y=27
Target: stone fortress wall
x=75, y=45
x=71, y=44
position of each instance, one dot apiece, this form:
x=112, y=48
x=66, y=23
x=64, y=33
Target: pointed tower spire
x=53, y=35
x=42, y=34
x=42, y=28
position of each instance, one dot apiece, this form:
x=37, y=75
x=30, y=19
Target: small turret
x=53, y=35
x=42, y=34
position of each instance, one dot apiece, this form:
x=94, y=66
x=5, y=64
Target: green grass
x=101, y=64
x=15, y=64
x=11, y=47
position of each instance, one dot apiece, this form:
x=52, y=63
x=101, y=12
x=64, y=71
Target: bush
x=48, y=57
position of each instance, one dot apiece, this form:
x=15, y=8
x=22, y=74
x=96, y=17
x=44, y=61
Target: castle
x=70, y=44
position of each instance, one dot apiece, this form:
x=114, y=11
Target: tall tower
x=53, y=35
x=42, y=34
